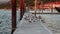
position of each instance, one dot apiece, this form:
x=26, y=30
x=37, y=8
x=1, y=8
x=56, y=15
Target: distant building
x=49, y=5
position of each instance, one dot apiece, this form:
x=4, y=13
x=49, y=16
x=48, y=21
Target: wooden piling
x=21, y=9
x=13, y=3
x=35, y=7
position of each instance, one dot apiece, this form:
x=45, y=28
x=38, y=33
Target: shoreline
x=9, y=9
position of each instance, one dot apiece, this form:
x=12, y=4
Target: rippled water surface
x=5, y=21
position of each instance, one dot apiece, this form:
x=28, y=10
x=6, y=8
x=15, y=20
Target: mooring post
x=35, y=7
x=13, y=3
x=21, y=9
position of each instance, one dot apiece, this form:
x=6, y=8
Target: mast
x=13, y=2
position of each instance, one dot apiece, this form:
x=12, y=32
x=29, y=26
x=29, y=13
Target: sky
x=3, y=1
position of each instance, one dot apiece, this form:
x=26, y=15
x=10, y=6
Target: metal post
x=13, y=2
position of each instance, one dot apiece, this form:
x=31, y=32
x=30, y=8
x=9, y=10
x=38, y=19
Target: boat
x=58, y=9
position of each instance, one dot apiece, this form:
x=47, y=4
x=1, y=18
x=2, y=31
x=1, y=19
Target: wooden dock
x=35, y=27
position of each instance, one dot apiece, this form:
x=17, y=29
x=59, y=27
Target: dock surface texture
x=31, y=25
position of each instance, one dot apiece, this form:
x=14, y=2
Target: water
x=6, y=16
x=6, y=21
